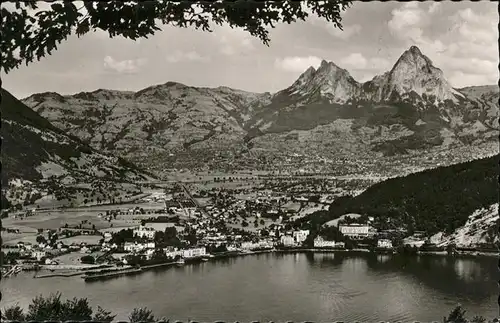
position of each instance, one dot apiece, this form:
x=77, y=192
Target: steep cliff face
x=413, y=73
x=329, y=82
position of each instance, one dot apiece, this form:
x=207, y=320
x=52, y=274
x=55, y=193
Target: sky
x=461, y=38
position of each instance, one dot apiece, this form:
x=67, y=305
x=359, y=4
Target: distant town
x=179, y=224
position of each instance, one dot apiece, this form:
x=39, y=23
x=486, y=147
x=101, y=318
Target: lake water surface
x=297, y=287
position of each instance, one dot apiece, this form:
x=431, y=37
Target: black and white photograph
x=250, y=161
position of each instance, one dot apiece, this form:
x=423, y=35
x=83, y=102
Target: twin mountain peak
x=413, y=73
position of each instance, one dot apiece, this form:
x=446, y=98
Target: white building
x=355, y=230
x=263, y=244
x=145, y=232
x=130, y=246
x=173, y=253
x=195, y=252
x=300, y=236
x=319, y=242
x=107, y=236
x=149, y=253
x=340, y=244
x=287, y=241
x=248, y=245
x=38, y=254
x=384, y=243
x=137, y=247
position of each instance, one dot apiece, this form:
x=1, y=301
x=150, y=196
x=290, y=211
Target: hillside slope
x=40, y=159
x=166, y=119
x=435, y=200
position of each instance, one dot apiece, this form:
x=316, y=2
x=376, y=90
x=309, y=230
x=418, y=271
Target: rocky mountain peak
x=414, y=72
x=328, y=66
x=415, y=50
x=328, y=81
x=304, y=78
x=414, y=59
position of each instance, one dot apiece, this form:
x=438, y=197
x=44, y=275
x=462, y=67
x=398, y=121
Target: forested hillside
x=436, y=200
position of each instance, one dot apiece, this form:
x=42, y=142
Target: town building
x=340, y=244
x=319, y=242
x=107, y=236
x=145, y=232
x=263, y=244
x=38, y=254
x=173, y=253
x=355, y=230
x=300, y=235
x=137, y=247
x=194, y=252
x=287, y=241
x=384, y=243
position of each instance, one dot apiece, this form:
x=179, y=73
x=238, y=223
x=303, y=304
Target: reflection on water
x=299, y=287
x=383, y=258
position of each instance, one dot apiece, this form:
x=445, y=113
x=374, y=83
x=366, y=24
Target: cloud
x=234, y=41
x=407, y=22
x=434, y=7
x=345, y=34
x=128, y=66
x=471, y=54
x=460, y=79
x=476, y=28
x=296, y=63
x=190, y=56
x=356, y=61
x=466, y=51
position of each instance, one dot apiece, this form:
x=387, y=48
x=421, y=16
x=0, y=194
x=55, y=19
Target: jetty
x=111, y=274
x=13, y=271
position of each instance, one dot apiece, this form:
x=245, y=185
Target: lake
x=318, y=287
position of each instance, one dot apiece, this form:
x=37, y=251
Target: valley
x=324, y=147
x=325, y=114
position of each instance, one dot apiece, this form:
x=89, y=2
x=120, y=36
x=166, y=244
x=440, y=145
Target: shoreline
x=360, y=250
x=233, y=254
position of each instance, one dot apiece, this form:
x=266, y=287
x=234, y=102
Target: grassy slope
x=23, y=149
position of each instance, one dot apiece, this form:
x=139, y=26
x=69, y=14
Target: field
x=14, y=238
x=87, y=239
x=250, y=227
x=56, y=219
x=72, y=258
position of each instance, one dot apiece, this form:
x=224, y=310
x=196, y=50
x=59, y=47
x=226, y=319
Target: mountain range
x=411, y=110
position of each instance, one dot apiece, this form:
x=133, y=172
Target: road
x=188, y=194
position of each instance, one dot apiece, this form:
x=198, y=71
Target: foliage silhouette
x=141, y=315
x=52, y=308
x=457, y=315
x=30, y=33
